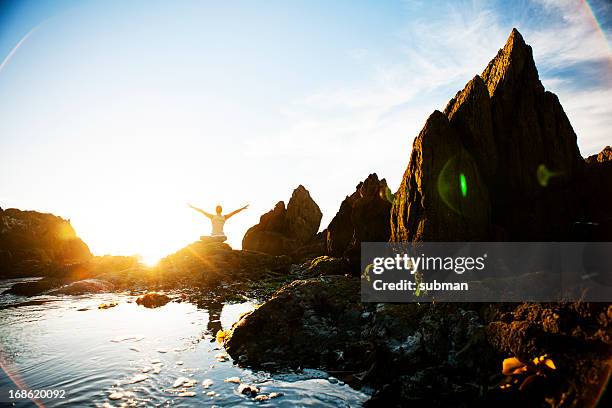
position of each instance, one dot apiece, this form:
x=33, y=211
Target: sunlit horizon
x=116, y=115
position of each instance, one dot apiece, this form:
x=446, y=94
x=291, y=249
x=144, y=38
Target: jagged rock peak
x=481, y=169
x=603, y=156
x=282, y=230
x=512, y=66
x=363, y=216
x=303, y=215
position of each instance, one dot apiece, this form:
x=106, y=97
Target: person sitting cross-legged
x=217, y=222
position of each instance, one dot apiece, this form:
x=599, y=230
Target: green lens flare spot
x=463, y=184
x=543, y=175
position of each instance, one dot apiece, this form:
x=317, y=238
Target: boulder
x=363, y=217
x=283, y=231
x=152, y=300
x=501, y=161
x=304, y=324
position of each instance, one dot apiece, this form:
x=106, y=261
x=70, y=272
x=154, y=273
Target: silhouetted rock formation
x=363, y=216
x=595, y=195
x=604, y=156
x=31, y=242
x=501, y=162
x=283, y=231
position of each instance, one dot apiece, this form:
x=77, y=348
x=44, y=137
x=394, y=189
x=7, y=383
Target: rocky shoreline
x=513, y=143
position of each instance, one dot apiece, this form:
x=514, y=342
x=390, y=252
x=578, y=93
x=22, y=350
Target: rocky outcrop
x=440, y=354
x=595, y=192
x=501, y=161
x=604, y=156
x=282, y=231
x=199, y=265
x=363, y=217
x=30, y=242
x=305, y=323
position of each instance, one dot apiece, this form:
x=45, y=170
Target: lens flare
x=463, y=184
x=544, y=174
x=452, y=185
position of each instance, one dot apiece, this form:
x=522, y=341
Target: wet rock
x=183, y=382
x=34, y=288
x=301, y=325
x=138, y=378
x=320, y=323
x=153, y=300
x=284, y=230
x=84, y=286
x=327, y=265
x=248, y=389
x=115, y=396
x=107, y=305
x=363, y=217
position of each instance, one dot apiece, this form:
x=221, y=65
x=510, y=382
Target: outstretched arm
x=201, y=211
x=235, y=212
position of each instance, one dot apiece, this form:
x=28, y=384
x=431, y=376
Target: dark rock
x=248, y=390
x=501, y=161
x=303, y=324
x=303, y=216
x=414, y=348
x=30, y=241
x=595, y=190
x=604, y=156
x=152, y=300
x=327, y=265
x=282, y=231
x=363, y=217
x=34, y=288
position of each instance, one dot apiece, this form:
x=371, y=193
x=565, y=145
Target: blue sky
x=115, y=114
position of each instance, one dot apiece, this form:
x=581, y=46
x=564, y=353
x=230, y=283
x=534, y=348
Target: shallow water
x=68, y=343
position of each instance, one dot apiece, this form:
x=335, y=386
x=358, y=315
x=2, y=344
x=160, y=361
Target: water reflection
x=214, y=309
x=95, y=354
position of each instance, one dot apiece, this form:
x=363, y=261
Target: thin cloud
x=434, y=59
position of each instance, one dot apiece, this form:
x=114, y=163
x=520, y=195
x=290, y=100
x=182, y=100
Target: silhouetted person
x=217, y=221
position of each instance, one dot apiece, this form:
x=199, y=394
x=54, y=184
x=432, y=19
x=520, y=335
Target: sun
x=150, y=260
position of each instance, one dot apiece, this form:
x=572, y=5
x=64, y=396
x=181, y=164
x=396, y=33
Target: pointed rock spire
x=513, y=66
x=473, y=172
